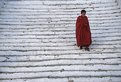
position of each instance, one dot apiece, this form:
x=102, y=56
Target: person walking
x=83, y=33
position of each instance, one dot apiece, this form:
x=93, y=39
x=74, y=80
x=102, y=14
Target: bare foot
x=87, y=49
x=80, y=47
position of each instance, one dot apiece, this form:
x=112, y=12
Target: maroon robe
x=83, y=33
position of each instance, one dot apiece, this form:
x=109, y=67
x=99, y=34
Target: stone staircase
x=37, y=41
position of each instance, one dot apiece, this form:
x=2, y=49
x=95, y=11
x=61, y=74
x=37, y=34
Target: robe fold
x=83, y=33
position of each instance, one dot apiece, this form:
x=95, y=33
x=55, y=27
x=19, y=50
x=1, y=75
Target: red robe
x=83, y=33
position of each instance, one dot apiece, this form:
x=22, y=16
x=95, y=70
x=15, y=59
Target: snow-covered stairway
x=37, y=41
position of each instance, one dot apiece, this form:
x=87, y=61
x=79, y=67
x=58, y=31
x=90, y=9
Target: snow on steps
x=37, y=41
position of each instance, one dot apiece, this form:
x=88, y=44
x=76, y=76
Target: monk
x=83, y=33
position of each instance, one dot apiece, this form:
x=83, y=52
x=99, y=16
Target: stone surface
x=119, y=3
x=2, y=3
x=37, y=41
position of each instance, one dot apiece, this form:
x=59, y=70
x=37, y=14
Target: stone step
x=60, y=2
x=35, y=58
x=58, y=19
x=55, y=42
x=61, y=61
x=49, y=57
x=41, y=48
x=83, y=79
x=39, y=9
x=60, y=75
x=41, y=33
x=60, y=16
x=50, y=52
x=63, y=6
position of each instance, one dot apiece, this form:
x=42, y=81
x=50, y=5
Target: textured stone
x=37, y=41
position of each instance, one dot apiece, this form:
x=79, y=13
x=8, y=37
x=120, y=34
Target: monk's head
x=83, y=12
